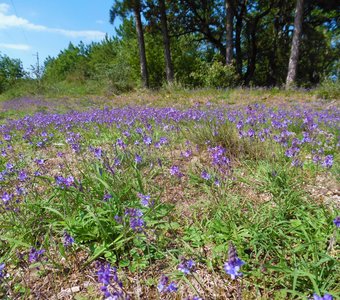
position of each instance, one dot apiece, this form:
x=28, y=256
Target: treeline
x=208, y=43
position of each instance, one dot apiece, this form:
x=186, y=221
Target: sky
x=28, y=27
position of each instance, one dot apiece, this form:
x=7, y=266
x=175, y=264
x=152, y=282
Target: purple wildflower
x=22, y=175
x=64, y=182
x=138, y=159
x=127, y=133
x=117, y=162
x=164, y=286
x=336, y=221
x=107, y=196
x=137, y=224
x=6, y=197
x=205, y=175
x=98, y=152
x=68, y=239
x=328, y=162
x=172, y=287
x=175, y=171
x=232, y=266
x=69, y=181
x=7, y=137
x=136, y=221
x=147, y=140
x=76, y=147
x=187, y=153
x=39, y=161
x=218, y=156
x=251, y=133
x=118, y=219
x=2, y=271
x=9, y=167
x=144, y=199
x=35, y=255
x=121, y=144
x=292, y=151
x=139, y=130
x=59, y=180
x=316, y=159
x=186, y=266
x=325, y=297
x=104, y=274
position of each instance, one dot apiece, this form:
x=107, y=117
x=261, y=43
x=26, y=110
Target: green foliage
x=267, y=233
x=329, y=89
x=288, y=241
x=71, y=64
x=226, y=135
x=215, y=75
x=262, y=42
x=10, y=71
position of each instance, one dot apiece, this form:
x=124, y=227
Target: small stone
x=68, y=292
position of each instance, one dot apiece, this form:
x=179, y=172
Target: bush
x=216, y=75
x=11, y=70
x=329, y=89
x=117, y=75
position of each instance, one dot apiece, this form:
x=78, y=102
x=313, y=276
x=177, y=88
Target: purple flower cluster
x=68, y=239
x=112, y=287
x=234, y=263
x=165, y=287
x=136, y=221
x=6, y=198
x=64, y=182
x=218, y=156
x=144, y=199
x=187, y=266
x=175, y=171
x=325, y=297
x=35, y=255
x=336, y=221
x=205, y=175
x=138, y=159
x=328, y=161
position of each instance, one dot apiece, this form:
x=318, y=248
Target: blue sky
x=47, y=27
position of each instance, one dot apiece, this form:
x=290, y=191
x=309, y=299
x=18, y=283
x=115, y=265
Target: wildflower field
x=169, y=200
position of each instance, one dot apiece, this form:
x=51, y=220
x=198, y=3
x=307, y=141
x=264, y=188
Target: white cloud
x=88, y=34
x=12, y=21
x=22, y=47
x=100, y=22
x=4, y=7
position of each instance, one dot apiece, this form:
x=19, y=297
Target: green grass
x=262, y=206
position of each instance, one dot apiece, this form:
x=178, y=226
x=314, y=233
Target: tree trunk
x=238, y=32
x=271, y=75
x=253, y=52
x=141, y=45
x=294, y=53
x=166, y=43
x=229, y=33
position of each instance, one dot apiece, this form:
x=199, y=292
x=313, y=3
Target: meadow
x=170, y=195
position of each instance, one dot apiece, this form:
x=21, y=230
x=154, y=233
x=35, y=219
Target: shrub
x=329, y=89
x=216, y=75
